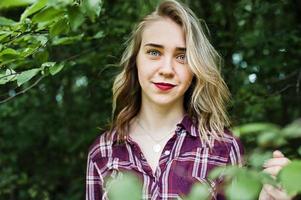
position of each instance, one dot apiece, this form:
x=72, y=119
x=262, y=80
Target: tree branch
x=22, y=91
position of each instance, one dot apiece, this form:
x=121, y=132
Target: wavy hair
x=205, y=99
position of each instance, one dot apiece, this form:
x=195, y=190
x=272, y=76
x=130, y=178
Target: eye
x=181, y=57
x=153, y=52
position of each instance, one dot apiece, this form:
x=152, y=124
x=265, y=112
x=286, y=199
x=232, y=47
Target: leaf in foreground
x=125, y=186
x=290, y=177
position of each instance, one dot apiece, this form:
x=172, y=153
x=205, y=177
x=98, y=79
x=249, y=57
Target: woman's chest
x=176, y=173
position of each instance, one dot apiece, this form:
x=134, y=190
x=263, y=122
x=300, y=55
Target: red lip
x=164, y=86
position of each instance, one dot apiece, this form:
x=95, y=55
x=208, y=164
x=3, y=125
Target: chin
x=164, y=101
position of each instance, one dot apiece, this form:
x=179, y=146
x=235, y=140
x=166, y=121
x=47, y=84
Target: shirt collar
x=188, y=125
x=185, y=124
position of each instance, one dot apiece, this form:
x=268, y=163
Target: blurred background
x=58, y=59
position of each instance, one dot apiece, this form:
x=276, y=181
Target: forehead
x=164, y=32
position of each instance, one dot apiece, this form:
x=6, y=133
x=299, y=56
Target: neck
x=161, y=120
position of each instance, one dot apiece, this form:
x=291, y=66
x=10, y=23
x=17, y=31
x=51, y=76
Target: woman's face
x=163, y=72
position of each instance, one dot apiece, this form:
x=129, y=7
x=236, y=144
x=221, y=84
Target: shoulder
x=101, y=146
x=231, y=147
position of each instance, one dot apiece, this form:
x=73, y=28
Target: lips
x=164, y=86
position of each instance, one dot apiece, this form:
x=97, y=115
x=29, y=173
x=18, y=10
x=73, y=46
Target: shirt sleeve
x=235, y=158
x=94, y=181
x=236, y=153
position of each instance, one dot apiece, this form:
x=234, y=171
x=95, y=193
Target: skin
x=272, y=167
x=161, y=58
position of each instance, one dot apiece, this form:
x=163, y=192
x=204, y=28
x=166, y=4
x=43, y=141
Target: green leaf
x=61, y=26
x=48, y=14
x=98, y=35
x=245, y=185
x=56, y=68
x=9, y=51
x=38, y=5
x=9, y=75
x=290, y=177
x=270, y=139
x=9, y=54
x=5, y=21
x=257, y=158
x=199, y=192
x=66, y=40
x=26, y=75
x=76, y=18
x=15, y=3
x=293, y=130
x=42, y=39
x=92, y=8
x=228, y=170
x=255, y=128
x=47, y=64
x=60, y=3
x=41, y=55
x=124, y=186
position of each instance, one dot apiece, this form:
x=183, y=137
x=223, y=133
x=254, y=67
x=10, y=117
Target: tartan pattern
x=184, y=161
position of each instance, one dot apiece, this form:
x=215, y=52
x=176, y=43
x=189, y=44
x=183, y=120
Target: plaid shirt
x=184, y=161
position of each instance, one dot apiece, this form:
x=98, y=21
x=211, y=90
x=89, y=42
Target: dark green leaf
x=61, y=26
x=76, y=17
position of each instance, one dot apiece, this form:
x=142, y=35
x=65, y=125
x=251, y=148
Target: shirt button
x=166, y=152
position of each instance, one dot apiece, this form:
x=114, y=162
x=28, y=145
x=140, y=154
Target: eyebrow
x=162, y=47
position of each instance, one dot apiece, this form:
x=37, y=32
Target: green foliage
x=125, y=186
x=290, y=177
x=199, y=192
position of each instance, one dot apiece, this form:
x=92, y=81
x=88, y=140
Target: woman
x=169, y=113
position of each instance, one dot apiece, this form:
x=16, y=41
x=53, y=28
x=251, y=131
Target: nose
x=166, y=68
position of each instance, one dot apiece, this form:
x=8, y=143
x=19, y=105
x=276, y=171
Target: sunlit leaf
x=56, y=68
x=26, y=76
x=255, y=128
x=125, y=186
x=92, y=8
x=48, y=14
x=270, y=139
x=258, y=158
x=293, y=130
x=245, y=186
x=5, y=21
x=66, y=40
x=15, y=3
x=38, y=5
x=290, y=177
x=199, y=192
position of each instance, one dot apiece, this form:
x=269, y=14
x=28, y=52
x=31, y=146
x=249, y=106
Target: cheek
x=186, y=76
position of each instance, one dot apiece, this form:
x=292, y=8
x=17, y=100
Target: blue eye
x=153, y=53
x=182, y=57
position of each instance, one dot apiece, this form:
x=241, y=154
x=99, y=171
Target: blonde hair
x=205, y=99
